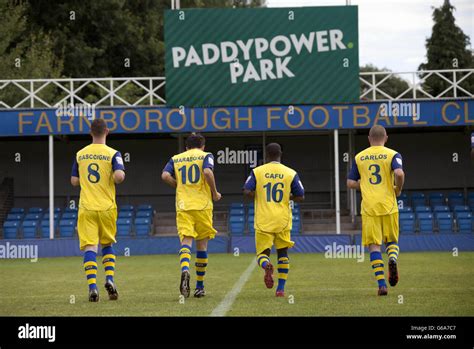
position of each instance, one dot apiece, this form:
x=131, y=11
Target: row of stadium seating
x=433, y=199
x=441, y=218
x=442, y=222
x=34, y=222
x=241, y=218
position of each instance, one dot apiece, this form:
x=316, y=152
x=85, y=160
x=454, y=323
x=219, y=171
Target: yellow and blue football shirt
x=273, y=183
x=374, y=167
x=192, y=191
x=95, y=165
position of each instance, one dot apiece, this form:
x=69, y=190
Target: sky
x=392, y=34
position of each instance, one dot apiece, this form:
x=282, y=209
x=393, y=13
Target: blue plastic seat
x=126, y=208
x=124, y=226
x=418, y=199
x=237, y=211
x=143, y=214
x=296, y=226
x=55, y=210
x=441, y=209
x=14, y=217
x=422, y=209
x=69, y=209
x=125, y=214
x=406, y=222
x=67, y=227
x=69, y=215
x=425, y=222
x=405, y=209
x=35, y=210
x=142, y=226
x=403, y=201
x=461, y=208
x=436, y=199
x=250, y=224
x=17, y=210
x=464, y=222
x=455, y=199
x=144, y=207
x=32, y=216
x=237, y=224
x=10, y=229
x=55, y=216
x=29, y=229
x=236, y=205
x=445, y=222
x=45, y=227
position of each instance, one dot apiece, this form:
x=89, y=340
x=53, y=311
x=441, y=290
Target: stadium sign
x=236, y=119
x=227, y=57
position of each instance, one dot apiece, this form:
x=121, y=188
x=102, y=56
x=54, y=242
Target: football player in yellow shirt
x=378, y=173
x=96, y=169
x=273, y=185
x=191, y=174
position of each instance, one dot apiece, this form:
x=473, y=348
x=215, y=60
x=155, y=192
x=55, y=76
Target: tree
x=447, y=48
x=394, y=86
x=24, y=55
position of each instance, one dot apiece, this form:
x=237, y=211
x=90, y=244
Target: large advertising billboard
x=264, y=56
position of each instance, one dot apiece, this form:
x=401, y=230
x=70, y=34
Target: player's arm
x=168, y=175
x=250, y=186
x=297, y=189
x=353, y=178
x=398, y=172
x=208, y=170
x=75, y=174
x=118, y=168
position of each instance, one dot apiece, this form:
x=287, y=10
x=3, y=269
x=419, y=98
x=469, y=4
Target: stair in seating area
x=6, y=199
x=323, y=221
x=165, y=223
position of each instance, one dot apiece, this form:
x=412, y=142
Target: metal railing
x=48, y=93
x=150, y=91
x=375, y=85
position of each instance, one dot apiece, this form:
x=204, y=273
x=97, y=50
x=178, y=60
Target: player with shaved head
x=378, y=173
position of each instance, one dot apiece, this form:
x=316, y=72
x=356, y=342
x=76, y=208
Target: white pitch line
x=229, y=298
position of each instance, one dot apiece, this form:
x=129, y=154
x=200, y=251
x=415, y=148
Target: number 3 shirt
x=273, y=183
x=95, y=165
x=192, y=191
x=374, y=167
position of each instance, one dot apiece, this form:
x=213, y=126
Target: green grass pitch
x=436, y=284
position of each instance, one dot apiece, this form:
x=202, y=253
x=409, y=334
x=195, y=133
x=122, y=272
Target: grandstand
x=438, y=198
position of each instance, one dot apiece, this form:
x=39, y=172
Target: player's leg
x=108, y=261
x=184, y=261
x=90, y=267
x=283, y=269
x=391, y=246
x=88, y=231
x=201, y=266
x=283, y=243
x=204, y=232
x=264, y=243
x=372, y=237
x=107, y=232
x=185, y=225
x=376, y=261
